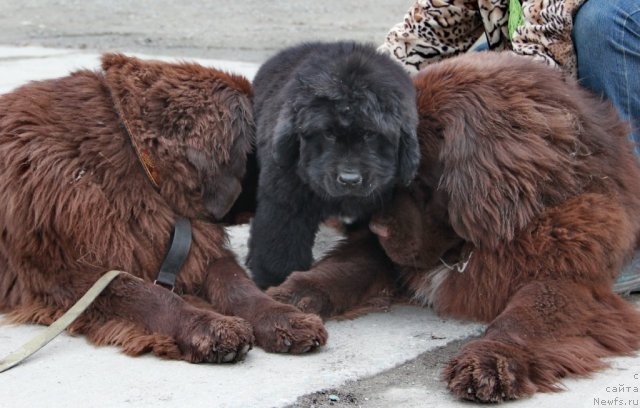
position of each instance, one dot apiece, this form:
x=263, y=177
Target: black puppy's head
x=350, y=124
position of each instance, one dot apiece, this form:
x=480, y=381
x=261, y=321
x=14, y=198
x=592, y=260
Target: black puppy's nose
x=350, y=178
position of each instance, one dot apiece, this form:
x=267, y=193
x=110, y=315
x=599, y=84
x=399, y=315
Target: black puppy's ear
x=285, y=140
x=408, y=154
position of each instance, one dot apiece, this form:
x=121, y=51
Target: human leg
x=606, y=36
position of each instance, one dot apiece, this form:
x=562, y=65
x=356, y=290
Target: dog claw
x=287, y=342
x=316, y=343
x=245, y=349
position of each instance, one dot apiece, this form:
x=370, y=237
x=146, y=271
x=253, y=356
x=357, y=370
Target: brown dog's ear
x=488, y=201
x=408, y=154
x=501, y=168
x=129, y=81
x=285, y=141
x=124, y=72
x=110, y=60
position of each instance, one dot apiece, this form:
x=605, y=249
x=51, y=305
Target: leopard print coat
x=436, y=29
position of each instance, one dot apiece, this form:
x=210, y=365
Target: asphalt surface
x=247, y=30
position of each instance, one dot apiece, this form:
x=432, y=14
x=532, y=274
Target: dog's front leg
x=282, y=237
x=355, y=277
x=142, y=317
x=548, y=330
x=277, y=327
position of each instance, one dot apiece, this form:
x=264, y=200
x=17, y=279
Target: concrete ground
x=389, y=359
x=248, y=30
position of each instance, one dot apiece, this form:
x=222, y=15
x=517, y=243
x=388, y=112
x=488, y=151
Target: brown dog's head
x=501, y=138
x=192, y=124
x=414, y=229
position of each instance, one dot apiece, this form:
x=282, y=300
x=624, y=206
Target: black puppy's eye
x=330, y=137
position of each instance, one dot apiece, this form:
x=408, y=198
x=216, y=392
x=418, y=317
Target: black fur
x=336, y=131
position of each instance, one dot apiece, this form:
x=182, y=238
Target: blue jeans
x=606, y=36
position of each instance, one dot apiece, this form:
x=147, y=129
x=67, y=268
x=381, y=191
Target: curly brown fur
x=76, y=202
x=525, y=206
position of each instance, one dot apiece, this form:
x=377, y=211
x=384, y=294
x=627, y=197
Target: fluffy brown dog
x=525, y=207
x=76, y=202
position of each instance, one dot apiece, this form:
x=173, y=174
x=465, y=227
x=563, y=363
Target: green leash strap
x=59, y=325
x=516, y=17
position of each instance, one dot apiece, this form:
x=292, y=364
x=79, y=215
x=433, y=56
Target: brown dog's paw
x=489, y=371
x=209, y=337
x=297, y=291
x=284, y=329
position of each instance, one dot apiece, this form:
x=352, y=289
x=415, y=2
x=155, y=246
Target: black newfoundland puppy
x=336, y=131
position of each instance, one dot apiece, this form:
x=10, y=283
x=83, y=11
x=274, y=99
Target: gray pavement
x=389, y=359
x=247, y=30
x=380, y=360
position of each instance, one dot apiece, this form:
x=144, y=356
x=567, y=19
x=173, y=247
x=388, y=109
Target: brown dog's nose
x=349, y=178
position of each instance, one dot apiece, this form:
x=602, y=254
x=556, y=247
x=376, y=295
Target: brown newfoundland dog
x=526, y=205
x=96, y=168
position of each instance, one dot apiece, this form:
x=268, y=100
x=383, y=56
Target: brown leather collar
x=144, y=156
x=180, y=240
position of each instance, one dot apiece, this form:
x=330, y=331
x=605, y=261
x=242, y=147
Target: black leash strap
x=179, y=246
